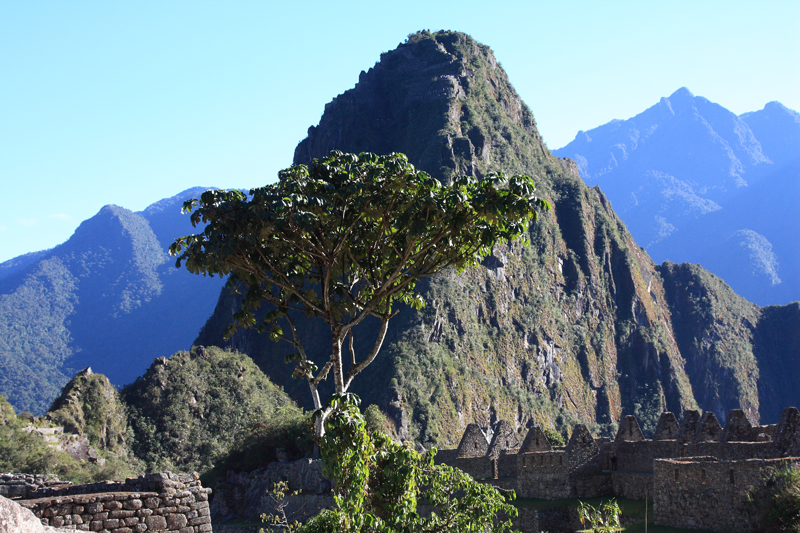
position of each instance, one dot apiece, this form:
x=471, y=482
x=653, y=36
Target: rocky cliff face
x=575, y=326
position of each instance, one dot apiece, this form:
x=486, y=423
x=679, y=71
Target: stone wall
x=16, y=486
x=154, y=502
x=632, y=485
x=543, y=475
x=244, y=494
x=706, y=493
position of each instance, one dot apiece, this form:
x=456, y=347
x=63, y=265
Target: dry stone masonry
x=153, y=502
x=685, y=467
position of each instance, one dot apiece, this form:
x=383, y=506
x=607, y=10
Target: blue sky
x=131, y=102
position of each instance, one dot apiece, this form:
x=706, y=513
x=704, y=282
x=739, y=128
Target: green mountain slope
x=579, y=325
x=108, y=298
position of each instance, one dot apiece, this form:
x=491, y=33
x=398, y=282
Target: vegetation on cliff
x=573, y=327
x=346, y=238
x=24, y=449
x=90, y=405
x=188, y=411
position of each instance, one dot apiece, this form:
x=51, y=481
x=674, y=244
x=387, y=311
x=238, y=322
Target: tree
x=345, y=238
x=379, y=484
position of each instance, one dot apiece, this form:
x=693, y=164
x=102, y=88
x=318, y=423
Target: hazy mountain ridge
x=694, y=182
x=109, y=297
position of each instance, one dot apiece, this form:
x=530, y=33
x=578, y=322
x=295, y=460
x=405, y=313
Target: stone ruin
x=691, y=459
x=153, y=502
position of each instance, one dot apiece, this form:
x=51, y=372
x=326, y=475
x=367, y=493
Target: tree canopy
x=345, y=238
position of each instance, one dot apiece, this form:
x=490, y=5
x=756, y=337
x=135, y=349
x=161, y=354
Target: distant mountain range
x=694, y=182
x=109, y=297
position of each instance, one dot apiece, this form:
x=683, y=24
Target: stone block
x=133, y=504
x=77, y=509
x=629, y=430
x=112, y=505
x=76, y=519
x=176, y=521
x=140, y=527
x=57, y=521
x=204, y=512
x=200, y=520
x=111, y=523
x=130, y=521
x=152, y=502
x=96, y=525
x=123, y=530
x=144, y=512
x=121, y=513
x=156, y=523
x=536, y=441
x=204, y=528
x=95, y=508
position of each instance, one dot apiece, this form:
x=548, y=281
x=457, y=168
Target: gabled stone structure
x=473, y=443
x=737, y=428
x=710, y=430
x=629, y=430
x=688, y=431
x=788, y=425
x=536, y=441
x=667, y=428
x=504, y=439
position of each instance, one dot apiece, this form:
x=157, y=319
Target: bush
x=380, y=483
x=776, y=505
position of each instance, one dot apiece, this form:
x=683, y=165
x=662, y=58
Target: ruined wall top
x=667, y=428
x=629, y=430
x=688, y=430
x=710, y=429
x=737, y=427
x=473, y=443
x=536, y=441
x=504, y=438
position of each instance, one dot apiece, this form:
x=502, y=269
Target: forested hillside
x=108, y=298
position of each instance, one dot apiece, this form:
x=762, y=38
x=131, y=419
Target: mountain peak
x=681, y=94
x=440, y=98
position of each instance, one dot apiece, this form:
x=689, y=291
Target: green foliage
x=379, y=485
x=287, y=431
x=277, y=520
x=345, y=238
x=34, y=339
x=776, y=505
x=89, y=405
x=375, y=420
x=605, y=518
x=190, y=410
x=25, y=451
x=555, y=438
